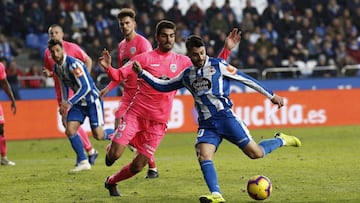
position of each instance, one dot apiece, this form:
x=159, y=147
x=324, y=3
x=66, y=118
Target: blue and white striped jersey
x=74, y=74
x=209, y=85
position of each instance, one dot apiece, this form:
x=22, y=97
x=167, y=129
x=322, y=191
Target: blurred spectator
x=78, y=18
x=13, y=73
x=291, y=64
x=333, y=9
x=194, y=15
x=174, y=13
x=51, y=15
x=179, y=45
x=309, y=14
x=247, y=24
x=218, y=25
x=250, y=52
x=89, y=13
x=210, y=12
x=323, y=61
x=250, y=9
x=285, y=26
x=231, y=21
x=320, y=15
x=101, y=23
x=35, y=18
x=314, y=46
x=299, y=49
x=306, y=30
x=255, y=35
x=243, y=46
x=263, y=41
x=37, y=81
x=275, y=56
x=271, y=33
x=6, y=49
x=90, y=34
x=251, y=63
x=226, y=9
x=270, y=13
x=19, y=22
x=353, y=49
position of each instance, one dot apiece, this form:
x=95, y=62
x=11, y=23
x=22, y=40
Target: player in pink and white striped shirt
x=144, y=122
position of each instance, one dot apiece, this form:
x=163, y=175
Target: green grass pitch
x=326, y=169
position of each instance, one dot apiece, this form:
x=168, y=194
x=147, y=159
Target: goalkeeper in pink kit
x=144, y=121
x=56, y=32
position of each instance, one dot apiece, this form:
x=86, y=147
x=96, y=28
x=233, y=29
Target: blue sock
x=78, y=147
x=210, y=176
x=270, y=145
x=107, y=133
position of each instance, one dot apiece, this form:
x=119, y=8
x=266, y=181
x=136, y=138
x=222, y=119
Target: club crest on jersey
x=212, y=70
x=173, y=68
x=201, y=85
x=78, y=72
x=231, y=69
x=132, y=50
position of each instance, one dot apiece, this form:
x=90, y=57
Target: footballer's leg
x=3, y=150
x=152, y=171
x=74, y=138
x=288, y=140
x=92, y=153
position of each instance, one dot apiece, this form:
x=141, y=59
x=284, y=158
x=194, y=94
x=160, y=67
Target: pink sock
x=152, y=162
x=123, y=174
x=84, y=139
x=2, y=146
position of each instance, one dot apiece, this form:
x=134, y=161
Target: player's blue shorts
x=227, y=126
x=94, y=111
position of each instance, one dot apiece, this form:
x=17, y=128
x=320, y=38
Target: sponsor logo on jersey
x=201, y=85
x=155, y=65
x=231, y=69
x=78, y=72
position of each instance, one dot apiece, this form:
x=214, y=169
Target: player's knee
x=1, y=130
x=136, y=167
x=255, y=154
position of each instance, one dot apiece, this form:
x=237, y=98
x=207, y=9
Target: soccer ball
x=259, y=187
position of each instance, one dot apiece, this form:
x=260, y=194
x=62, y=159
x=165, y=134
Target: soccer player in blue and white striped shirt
x=209, y=82
x=86, y=102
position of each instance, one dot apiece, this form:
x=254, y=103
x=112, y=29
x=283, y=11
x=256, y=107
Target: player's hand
x=47, y=73
x=64, y=108
x=232, y=39
x=105, y=59
x=278, y=100
x=104, y=91
x=136, y=67
x=13, y=107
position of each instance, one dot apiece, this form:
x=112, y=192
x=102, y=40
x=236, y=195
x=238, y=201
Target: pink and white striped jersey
x=71, y=49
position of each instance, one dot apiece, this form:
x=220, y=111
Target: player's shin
x=78, y=147
x=270, y=145
x=210, y=176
